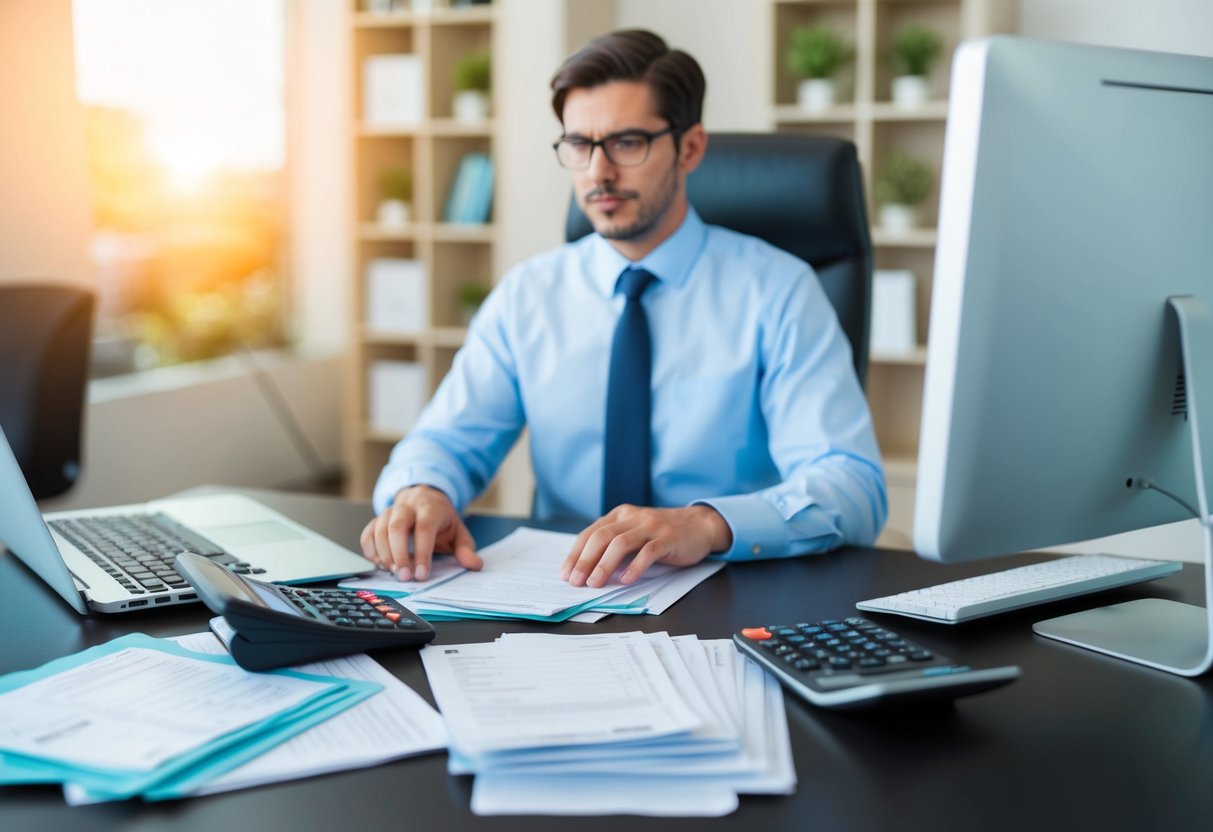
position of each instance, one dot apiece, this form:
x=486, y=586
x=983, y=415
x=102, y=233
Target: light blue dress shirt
x=756, y=408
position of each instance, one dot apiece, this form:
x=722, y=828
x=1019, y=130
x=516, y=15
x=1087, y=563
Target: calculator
x=854, y=663
x=278, y=626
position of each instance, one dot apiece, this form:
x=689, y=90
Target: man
x=751, y=437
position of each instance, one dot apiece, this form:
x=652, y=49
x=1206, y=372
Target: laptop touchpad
x=251, y=534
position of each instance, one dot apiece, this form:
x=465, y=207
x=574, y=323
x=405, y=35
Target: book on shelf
x=470, y=199
x=397, y=295
x=393, y=92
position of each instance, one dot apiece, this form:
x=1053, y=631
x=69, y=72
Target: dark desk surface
x=1082, y=741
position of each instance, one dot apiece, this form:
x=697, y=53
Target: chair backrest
x=803, y=194
x=45, y=333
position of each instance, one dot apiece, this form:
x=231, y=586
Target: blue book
x=460, y=192
x=480, y=203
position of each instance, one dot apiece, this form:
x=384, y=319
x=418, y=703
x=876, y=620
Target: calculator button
x=806, y=664
x=364, y=623
x=921, y=655
x=839, y=662
x=384, y=608
x=757, y=633
x=384, y=624
x=392, y=616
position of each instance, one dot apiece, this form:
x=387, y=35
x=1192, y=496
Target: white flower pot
x=392, y=213
x=898, y=219
x=470, y=106
x=910, y=91
x=816, y=94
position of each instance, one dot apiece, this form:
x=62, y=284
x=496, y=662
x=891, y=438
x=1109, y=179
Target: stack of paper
x=610, y=724
x=394, y=723
x=142, y=716
x=521, y=579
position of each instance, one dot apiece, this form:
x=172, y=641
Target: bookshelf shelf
x=420, y=265
x=867, y=116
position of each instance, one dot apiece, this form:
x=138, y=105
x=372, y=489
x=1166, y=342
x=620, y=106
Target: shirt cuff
x=759, y=531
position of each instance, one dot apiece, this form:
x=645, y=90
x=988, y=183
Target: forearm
x=450, y=459
x=416, y=462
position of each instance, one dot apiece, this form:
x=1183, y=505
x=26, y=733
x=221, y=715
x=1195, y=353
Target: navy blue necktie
x=626, y=452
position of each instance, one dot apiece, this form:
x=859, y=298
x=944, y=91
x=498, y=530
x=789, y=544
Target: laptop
x=89, y=556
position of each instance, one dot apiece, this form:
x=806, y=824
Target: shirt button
x=756, y=549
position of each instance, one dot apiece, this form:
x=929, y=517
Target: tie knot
x=633, y=282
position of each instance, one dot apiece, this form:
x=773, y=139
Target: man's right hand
x=428, y=517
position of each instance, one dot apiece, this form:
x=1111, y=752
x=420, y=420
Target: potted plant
x=816, y=53
x=473, y=80
x=395, y=197
x=471, y=295
x=903, y=184
x=915, y=50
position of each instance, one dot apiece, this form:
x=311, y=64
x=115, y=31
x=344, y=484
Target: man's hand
x=677, y=536
x=427, y=516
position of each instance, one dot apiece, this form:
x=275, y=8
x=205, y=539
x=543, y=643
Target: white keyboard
x=1023, y=586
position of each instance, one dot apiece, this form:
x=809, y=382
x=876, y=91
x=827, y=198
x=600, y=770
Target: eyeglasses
x=627, y=148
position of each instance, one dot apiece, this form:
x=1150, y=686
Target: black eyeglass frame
x=648, y=136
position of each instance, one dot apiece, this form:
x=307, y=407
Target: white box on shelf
x=397, y=295
x=393, y=90
x=396, y=395
x=894, y=329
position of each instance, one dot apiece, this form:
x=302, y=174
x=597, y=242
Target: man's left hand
x=677, y=536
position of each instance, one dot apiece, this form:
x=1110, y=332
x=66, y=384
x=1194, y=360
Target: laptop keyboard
x=137, y=550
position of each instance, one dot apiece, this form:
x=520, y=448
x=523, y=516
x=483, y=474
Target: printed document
x=499, y=696
x=520, y=579
x=740, y=746
x=394, y=723
x=127, y=710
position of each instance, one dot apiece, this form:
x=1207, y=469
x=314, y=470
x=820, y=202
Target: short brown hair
x=636, y=55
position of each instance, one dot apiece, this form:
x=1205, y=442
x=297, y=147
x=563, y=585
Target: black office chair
x=803, y=194
x=45, y=333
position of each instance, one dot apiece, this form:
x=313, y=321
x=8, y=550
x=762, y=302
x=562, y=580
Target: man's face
x=632, y=205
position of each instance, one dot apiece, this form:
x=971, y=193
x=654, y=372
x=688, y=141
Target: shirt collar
x=671, y=262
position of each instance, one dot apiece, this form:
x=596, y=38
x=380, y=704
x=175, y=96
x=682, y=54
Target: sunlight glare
x=199, y=74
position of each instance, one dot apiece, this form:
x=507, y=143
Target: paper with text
x=521, y=576
x=137, y=708
x=394, y=723
x=498, y=697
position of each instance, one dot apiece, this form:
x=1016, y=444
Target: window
x=185, y=116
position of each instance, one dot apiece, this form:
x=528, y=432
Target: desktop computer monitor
x=1070, y=353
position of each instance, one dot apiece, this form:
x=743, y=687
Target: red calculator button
x=757, y=633
x=393, y=616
